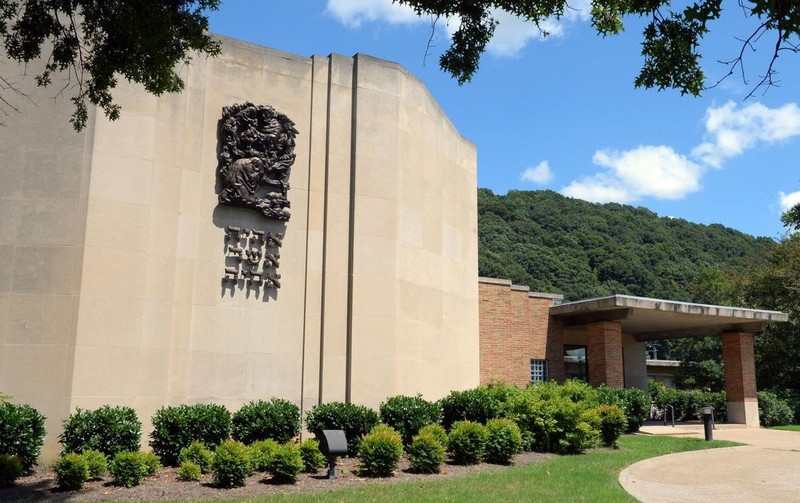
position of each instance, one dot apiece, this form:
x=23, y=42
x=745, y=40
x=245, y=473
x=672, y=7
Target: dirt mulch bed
x=41, y=486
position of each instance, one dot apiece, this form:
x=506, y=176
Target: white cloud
x=662, y=173
x=788, y=201
x=539, y=174
x=599, y=188
x=352, y=13
x=645, y=171
x=732, y=130
x=511, y=36
x=514, y=33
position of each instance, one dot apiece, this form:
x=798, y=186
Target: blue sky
x=561, y=113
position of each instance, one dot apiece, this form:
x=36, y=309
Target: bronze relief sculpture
x=255, y=159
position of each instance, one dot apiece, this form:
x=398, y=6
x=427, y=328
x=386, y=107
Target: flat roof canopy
x=653, y=319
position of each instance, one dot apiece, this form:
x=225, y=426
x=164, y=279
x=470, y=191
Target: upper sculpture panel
x=256, y=156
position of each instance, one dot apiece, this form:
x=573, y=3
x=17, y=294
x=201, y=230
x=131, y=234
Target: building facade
x=293, y=227
x=527, y=337
x=122, y=275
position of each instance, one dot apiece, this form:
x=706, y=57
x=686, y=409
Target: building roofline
x=647, y=303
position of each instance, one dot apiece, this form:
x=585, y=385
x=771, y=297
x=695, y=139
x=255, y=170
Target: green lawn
x=588, y=477
x=788, y=427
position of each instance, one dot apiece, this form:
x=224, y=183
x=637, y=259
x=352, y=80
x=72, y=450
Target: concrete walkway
x=767, y=469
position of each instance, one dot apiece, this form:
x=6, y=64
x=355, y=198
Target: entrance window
x=538, y=370
x=575, y=363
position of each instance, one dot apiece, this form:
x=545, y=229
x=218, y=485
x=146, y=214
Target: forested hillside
x=556, y=244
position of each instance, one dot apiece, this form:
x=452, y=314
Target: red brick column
x=604, y=348
x=555, y=350
x=740, y=378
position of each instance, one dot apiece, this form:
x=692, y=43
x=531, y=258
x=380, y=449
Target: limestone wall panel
x=124, y=244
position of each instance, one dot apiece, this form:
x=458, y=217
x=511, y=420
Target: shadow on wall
x=251, y=245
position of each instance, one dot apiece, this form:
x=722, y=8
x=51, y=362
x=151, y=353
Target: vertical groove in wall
x=308, y=226
x=89, y=132
x=323, y=283
x=353, y=138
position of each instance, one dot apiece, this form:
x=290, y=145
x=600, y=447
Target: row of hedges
x=775, y=408
x=230, y=462
x=687, y=404
x=555, y=418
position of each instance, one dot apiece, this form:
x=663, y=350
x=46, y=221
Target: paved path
x=765, y=470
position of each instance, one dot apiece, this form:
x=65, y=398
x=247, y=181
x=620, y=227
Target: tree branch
x=434, y=19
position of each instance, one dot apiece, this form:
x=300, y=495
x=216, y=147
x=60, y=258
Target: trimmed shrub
x=286, y=464
x=108, y=429
x=478, y=405
x=189, y=471
x=128, y=468
x=502, y=391
x=277, y=419
x=10, y=469
x=792, y=398
x=686, y=403
x=355, y=420
x=425, y=454
x=436, y=431
x=503, y=440
x=97, y=464
x=407, y=414
x=72, y=471
x=21, y=433
x=772, y=411
x=313, y=459
x=467, y=442
x=553, y=420
x=151, y=462
x=528, y=440
x=198, y=454
x=575, y=390
x=719, y=401
x=261, y=453
x=380, y=451
x=231, y=465
x=634, y=402
x=176, y=427
x=613, y=423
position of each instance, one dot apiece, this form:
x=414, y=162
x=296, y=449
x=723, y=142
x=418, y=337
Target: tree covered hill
x=557, y=244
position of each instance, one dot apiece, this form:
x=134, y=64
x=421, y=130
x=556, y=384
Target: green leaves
x=670, y=42
x=556, y=244
x=177, y=427
x=791, y=218
x=21, y=432
x=277, y=419
x=355, y=420
x=407, y=414
x=670, y=55
x=461, y=60
x=107, y=429
x=143, y=41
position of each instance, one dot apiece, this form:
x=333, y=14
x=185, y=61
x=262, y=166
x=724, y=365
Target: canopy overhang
x=653, y=319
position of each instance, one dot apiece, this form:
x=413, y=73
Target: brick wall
x=555, y=350
x=513, y=330
x=604, y=348
x=740, y=369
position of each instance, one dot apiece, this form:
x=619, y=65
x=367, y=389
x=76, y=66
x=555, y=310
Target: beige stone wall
x=43, y=199
x=415, y=295
x=378, y=263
